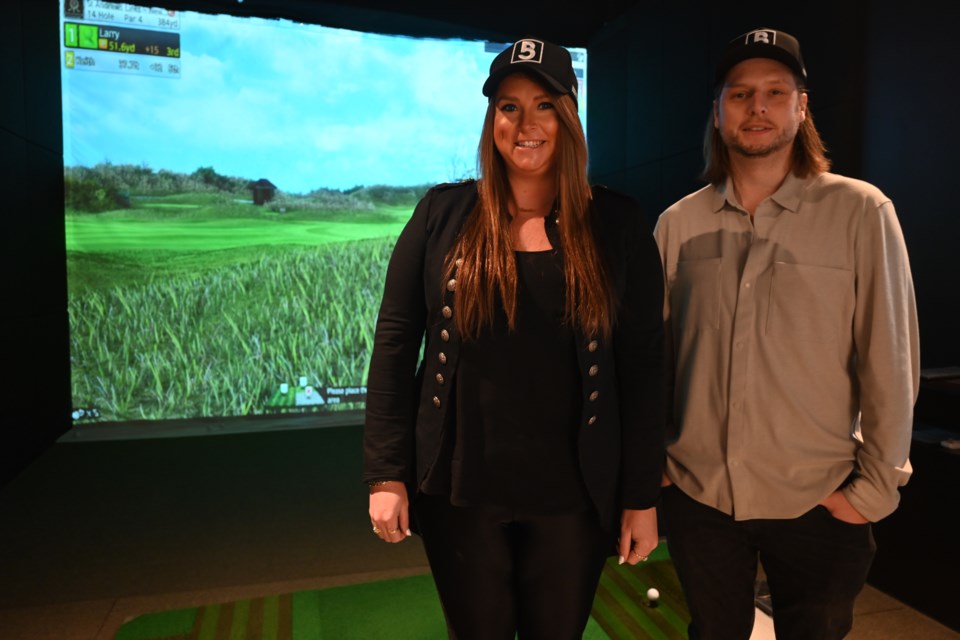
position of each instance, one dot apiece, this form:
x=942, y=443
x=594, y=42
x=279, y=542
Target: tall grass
x=219, y=342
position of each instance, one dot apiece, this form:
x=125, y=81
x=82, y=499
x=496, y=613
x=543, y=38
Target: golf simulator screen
x=233, y=191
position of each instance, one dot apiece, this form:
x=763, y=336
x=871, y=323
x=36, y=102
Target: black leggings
x=500, y=573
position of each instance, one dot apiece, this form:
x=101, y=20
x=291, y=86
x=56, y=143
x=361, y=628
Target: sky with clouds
x=304, y=106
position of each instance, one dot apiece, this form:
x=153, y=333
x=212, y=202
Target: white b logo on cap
x=527, y=51
x=761, y=35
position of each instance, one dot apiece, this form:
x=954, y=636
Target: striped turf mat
x=408, y=609
x=621, y=608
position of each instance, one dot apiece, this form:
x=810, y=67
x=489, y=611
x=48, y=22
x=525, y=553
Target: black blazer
x=621, y=446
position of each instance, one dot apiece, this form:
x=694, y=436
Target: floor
x=95, y=533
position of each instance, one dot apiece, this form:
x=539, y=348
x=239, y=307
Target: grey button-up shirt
x=794, y=348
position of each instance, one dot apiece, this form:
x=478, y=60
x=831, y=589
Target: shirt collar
x=788, y=196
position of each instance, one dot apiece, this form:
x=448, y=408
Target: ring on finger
x=376, y=529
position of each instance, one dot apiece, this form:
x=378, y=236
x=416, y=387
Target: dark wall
x=911, y=146
x=649, y=93
x=34, y=394
x=911, y=140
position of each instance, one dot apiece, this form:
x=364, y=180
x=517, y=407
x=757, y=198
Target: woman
x=529, y=442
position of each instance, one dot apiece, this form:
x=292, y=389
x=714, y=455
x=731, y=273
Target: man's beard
x=734, y=145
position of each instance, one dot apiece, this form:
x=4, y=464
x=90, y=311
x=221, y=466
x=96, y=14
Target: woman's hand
x=390, y=511
x=638, y=535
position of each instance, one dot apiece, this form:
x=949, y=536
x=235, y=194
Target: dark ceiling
x=567, y=23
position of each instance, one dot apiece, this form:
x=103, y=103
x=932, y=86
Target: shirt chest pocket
x=695, y=295
x=810, y=303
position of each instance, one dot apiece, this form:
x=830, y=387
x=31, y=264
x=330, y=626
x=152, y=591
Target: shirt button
x=746, y=284
x=436, y=402
x=594, y=396
x=594, y=370
x=442, y=357
x=447, y=312
x=592, y=420
x=593, y=346
x=445, y=335
x=451, y=284
x=440, y=379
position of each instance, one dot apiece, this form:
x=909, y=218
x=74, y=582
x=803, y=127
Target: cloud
x=306, y=106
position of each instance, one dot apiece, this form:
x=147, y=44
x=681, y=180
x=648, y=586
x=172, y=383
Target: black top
x=518, y=402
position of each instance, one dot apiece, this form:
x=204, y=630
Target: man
x=793, y=340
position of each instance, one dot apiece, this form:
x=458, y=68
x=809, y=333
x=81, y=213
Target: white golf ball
x=653, y=595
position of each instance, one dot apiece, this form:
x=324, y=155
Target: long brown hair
x=483, y=261
x=809, y=152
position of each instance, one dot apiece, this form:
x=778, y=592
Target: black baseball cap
x=762, y=43
x=548, y=62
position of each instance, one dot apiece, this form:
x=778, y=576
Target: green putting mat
x=408, y=609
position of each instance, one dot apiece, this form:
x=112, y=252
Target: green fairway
x=209, y=228
x=196, y=305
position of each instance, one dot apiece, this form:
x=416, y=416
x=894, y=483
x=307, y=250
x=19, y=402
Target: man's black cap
x=762, y=43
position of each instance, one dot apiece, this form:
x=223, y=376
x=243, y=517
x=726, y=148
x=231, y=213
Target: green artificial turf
x=409, y=609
